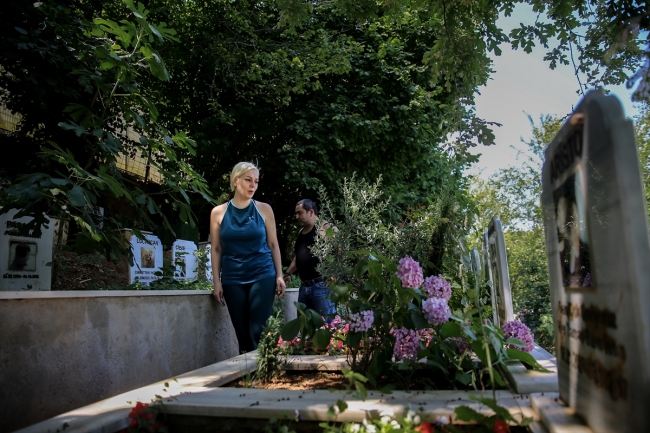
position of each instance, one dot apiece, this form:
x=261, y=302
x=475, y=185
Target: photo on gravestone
x=181, y=265
x=147, y=257
x=22, y=256
x=572, y=231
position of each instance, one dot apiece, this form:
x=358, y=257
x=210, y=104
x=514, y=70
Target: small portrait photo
x=22, y=256
x=181, y=266
x=572, y=232
x=147, y=257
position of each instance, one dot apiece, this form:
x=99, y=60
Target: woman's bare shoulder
x=219, y=211
x=264, y=208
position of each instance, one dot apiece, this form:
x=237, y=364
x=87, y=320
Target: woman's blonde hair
x=238, y=171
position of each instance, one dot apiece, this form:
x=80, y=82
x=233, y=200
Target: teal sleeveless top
x=245, y=253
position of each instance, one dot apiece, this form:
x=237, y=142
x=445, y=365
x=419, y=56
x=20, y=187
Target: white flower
x=395, y=424
x=385, y=420
x=355, y=427
x=442, y=419
x=416, y=419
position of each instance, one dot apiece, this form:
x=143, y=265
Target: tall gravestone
x=184, y=260
x=498, y=272
x=147, y=258
x=25, y=259
x=599, y=266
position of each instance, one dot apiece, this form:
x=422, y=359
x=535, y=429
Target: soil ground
x=298, y=380
x=71, y=271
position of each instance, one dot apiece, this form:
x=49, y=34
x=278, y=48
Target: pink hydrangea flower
x=362, y=321
x=436, y=310
x=410, y=273
x=515, y=329
x=407, y=344
x=437, y=287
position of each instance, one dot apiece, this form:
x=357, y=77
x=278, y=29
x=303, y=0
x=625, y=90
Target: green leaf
x=353, y=339
x=342, y=405
x=362, y=389
x=79, y=130
x=76, y=196
x=291, y=329
x=388, y=389
x=463, y=378
x=450, y=329
x=322, y=339
x=526, y=358
x=465, y=413
x=515, y=342
x=418, y=319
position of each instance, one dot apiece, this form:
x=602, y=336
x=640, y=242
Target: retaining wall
x=63, y=350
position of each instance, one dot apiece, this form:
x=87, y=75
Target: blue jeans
x=317, y=297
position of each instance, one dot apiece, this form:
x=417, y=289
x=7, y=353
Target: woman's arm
x=215, y=251
x=272, y=240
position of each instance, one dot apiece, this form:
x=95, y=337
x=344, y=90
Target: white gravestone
x=25, y=261
x=184, y=260
x=208, y=266
x=599, y=266
x=498, y=264
x=147, y=258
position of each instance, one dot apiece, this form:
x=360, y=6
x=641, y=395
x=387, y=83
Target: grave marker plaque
x=599, y=266
x=24, y=258
x=184, y=260
x=147, y=257
x=498, y=263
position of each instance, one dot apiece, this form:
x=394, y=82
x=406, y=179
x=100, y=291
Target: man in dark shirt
x=314, y=293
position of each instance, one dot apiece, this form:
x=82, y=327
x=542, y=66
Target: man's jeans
x=317, y=297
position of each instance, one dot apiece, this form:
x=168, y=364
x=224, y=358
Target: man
x=314, y=293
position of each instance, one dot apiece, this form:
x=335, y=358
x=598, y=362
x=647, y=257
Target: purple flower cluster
x=514, y=329
x=436, y=310
x=407, y=344
x=437, y=287
x=462, y=345
x=362, y=321
x=410, y=273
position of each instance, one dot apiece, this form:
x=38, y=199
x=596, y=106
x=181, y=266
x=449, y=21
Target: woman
x=245, y=257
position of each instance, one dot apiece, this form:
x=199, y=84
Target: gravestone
x=147, y=258
x=208, y=265
x=498, y=273
x=184, y=260
x=25, y=260
x=599, y=266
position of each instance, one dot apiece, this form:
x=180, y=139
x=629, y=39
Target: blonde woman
x=245, y=257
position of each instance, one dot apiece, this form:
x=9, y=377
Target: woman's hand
x=280, y=287
x=218, y=294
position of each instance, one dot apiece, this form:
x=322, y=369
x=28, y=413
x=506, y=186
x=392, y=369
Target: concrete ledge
x=555, y=415
x=98, y=294
x=199, y=393
x=525, y=381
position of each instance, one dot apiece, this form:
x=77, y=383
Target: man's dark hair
x=308, y=205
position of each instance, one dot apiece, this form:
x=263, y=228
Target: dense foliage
x=439, y=320
x=80, y=85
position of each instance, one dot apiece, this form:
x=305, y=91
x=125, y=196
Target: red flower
x=501, y=427
x=425, y=427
